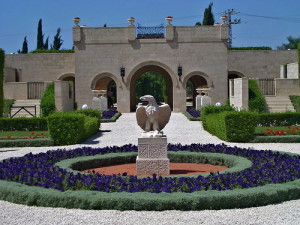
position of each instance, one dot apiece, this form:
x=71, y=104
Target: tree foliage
x=208, y=18
x=40, y=36
x=152, y=83
x=25, y=46
x=46, y=44
x=2, y=57
x=292, y=43
x=57, y=42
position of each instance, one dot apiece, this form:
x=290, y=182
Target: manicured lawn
x=15, y=135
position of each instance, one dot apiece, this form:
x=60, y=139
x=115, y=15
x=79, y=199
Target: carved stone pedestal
x=152, y=156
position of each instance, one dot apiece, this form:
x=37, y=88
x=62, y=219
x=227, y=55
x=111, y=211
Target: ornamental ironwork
x=150, y=32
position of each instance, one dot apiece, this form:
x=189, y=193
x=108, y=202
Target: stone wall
x=285, y=87
x=39, y=67
x=260, y=64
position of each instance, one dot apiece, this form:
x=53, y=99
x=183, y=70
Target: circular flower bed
x=40, y=170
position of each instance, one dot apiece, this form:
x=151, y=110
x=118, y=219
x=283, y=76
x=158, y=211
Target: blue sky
x=265, y=22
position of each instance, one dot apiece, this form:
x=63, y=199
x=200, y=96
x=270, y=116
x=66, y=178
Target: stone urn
x=76, y=21
x=169, y=19
x=131, y=20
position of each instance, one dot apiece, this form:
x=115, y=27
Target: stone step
x=279, y=104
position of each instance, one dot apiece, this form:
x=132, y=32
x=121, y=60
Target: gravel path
x=125, y=130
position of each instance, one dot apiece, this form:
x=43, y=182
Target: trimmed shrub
x=210, y=109
x=277, y=139
x=48, y=101
x=90, y=112
x=257, y=102
x=2, y=58
x=53, y=51
x=23, y=124
x=26, y=143
x=7, y=106
x=231, y=126
x=71, y=128
x=278, y=119
x=296, y=102
x=251, y=48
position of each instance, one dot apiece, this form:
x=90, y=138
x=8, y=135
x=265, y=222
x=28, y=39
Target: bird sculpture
x=152, y=117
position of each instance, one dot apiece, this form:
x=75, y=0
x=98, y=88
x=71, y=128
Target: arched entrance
x=69, y=77
x=155, y=69
x=233, y=75
x=107, y=84
x=192, y=84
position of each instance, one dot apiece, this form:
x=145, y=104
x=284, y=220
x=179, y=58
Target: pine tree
x=208, y=18
x=57, y=42
x=25, y=46
x=45, y=46
x=40, y=36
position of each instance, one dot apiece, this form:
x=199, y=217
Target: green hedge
x=23, y=124
x=26, y=143
x=251, y=48
x=257, y=102
x=295, y=101
x=90, y=112
x=48, y=101
x=210, y=109
x=277, y=139
x=71, y=127
x=231, y=126
x=7, y=107
x=112, y=119
x=278, y=119
x=2, y=58
x=53, y=51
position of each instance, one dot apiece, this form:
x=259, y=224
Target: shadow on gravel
x=95, y=138
x=9, y=150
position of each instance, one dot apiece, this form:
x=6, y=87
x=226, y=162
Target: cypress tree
x=2, y=56
x=40, y=36
x=208, y=18
x=45, y=46
x=57, y=42
x=25, y=46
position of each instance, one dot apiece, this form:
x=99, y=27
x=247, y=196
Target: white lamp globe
x=218, y=104
x=85, y=106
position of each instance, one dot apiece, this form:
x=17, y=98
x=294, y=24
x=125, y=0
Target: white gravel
x=124, y=131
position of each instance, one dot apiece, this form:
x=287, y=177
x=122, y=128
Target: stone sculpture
x=152, y=117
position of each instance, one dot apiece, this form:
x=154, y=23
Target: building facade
x=107, y=55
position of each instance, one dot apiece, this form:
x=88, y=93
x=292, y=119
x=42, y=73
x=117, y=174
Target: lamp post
x=179, y=71
x=122, y=72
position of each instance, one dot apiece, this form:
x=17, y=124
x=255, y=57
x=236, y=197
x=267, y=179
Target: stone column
x=152, y=156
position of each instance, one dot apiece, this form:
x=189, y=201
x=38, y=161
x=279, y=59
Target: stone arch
x=150, y=66
x=103, y=81
x=68, y=77
x=198, y=80
x=232, y=74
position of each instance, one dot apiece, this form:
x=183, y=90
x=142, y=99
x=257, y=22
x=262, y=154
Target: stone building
x=119, y=55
